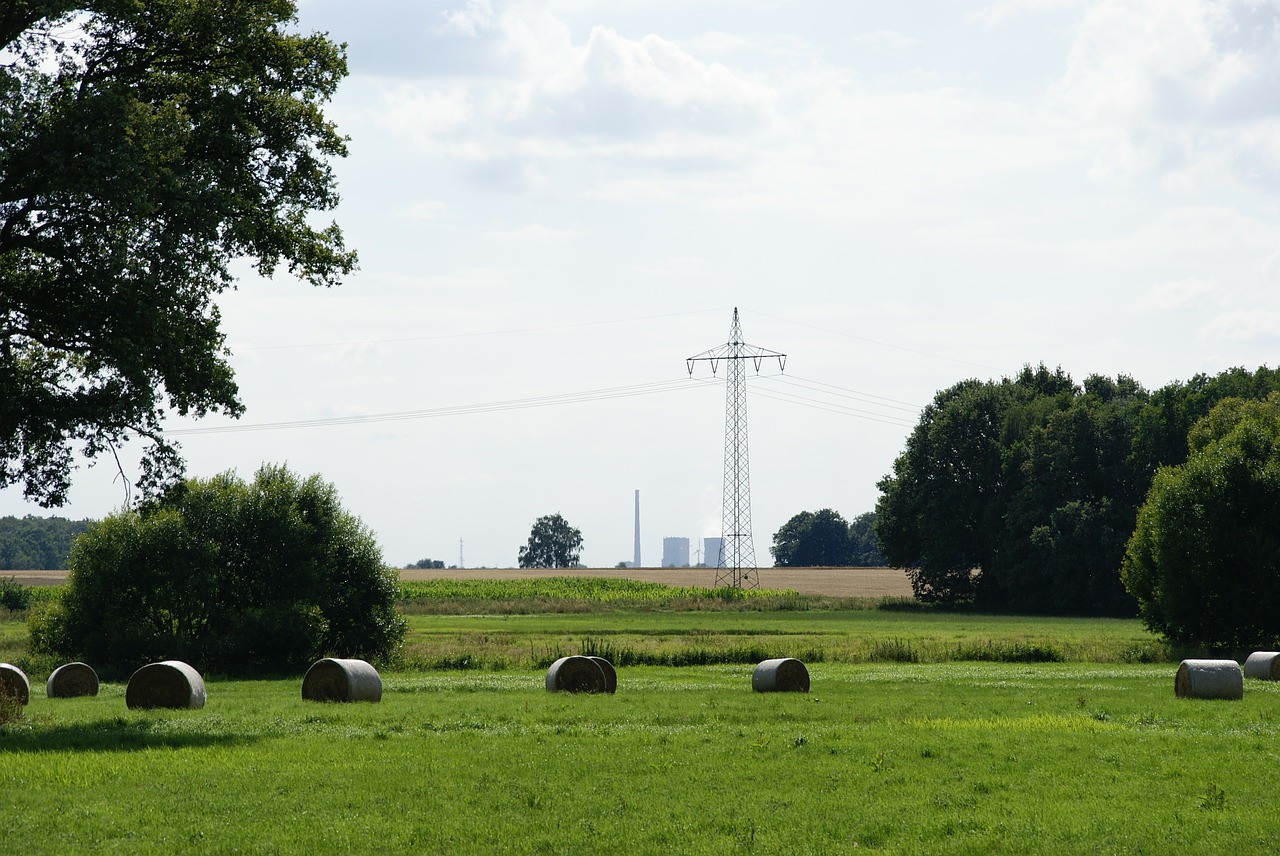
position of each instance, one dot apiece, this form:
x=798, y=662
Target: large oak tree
x=145, y=146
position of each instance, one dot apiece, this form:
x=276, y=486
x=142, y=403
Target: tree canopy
x=1022, y=493
x=37, y=543
x=144, y=146
x=812, y=539
x=1204, y=558
x=236, y=577
x=553, y=543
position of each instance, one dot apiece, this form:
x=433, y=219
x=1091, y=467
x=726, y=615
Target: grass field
x=942, y=758
x=925, y=732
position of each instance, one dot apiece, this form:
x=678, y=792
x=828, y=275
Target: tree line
x=33, y=543
x=1023, y=493
x=824, y=539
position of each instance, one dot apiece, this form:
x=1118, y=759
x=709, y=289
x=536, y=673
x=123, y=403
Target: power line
x=879, y=343
x=475, y=334
x=651, y=388
x=457, y=410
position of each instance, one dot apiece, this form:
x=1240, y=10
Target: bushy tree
x=1204, y=559
x=813, y=539
x=229, y=576
x=1021, y=494
x=553, y=543
x=1017, y=494
x=144, y=146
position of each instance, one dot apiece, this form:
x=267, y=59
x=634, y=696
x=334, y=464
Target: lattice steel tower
x=736, y=564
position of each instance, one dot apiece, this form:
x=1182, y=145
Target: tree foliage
x=1022, y=493
x=1204, y=559
x=143, y=147
x=812, y=539
x=864, y=544
x=229, y=576
x=33, y=543
x=553, y=543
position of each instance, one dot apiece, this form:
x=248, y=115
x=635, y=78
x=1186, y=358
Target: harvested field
x=832, y=582
x=36, y=578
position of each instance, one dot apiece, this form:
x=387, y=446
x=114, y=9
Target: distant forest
x=37, y=543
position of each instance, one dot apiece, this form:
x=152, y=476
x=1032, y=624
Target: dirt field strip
x=832, y=582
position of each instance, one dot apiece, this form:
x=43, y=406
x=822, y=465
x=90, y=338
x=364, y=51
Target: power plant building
x=711, y=548
x=675, y=552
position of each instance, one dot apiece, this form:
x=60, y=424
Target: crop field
x=924, y=732
x=833, y=582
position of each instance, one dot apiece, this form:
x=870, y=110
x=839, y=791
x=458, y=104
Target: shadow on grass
x=109, y=735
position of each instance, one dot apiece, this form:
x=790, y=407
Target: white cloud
x=1001, y=11
x=432, y=209
x=1188, y=84
x=1253, y=326
x=1178, y=294
x=887, y=40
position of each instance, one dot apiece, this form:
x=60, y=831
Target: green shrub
x=13, y=595
x=233, y=577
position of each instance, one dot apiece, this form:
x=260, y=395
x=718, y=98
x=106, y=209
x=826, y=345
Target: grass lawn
x=905, y=758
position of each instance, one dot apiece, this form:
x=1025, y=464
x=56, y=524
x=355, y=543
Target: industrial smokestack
x=636, y=562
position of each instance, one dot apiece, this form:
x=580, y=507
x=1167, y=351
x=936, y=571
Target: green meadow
x=924, y=732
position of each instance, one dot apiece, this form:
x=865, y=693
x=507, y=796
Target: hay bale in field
x=781, y=675
x=1209, y=679
x=332, y=679
x=610, y=674
x=169, y=684
x=575, y=675
x=71, y=680
x=14, y=683
x=1263, y=665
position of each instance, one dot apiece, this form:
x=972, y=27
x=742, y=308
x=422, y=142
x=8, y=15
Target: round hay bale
x=71, y=680
x=610, y=674
x=332, y=679
x=1209, y=679
x=782, y=675
x=14, y=683
x=575, y=675
x=1263, y=665
x=168, y=684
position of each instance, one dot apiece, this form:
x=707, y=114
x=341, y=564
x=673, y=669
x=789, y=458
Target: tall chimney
x=636, y=562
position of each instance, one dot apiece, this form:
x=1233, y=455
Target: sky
x=556, y=203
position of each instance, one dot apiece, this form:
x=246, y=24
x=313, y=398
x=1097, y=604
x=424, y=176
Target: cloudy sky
x=556, y=203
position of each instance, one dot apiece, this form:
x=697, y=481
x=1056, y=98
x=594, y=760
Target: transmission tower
x=736, y=564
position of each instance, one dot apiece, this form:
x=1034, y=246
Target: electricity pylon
x=736, y=564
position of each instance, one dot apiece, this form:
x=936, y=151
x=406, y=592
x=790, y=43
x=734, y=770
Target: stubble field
x=832, y=582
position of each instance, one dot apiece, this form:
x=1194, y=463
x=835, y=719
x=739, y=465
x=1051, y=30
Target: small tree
x=812, y=540
x=229, y=576
x=1204, y=558
x=553, y=543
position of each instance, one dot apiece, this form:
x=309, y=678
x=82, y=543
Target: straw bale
x=784, y=674
x=332, y=679
x=169, y=684
x=70, y=680
x=1263, y=665
x=610, y=674
x=1209, y=679
x=575, y=675
x=14, y=683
